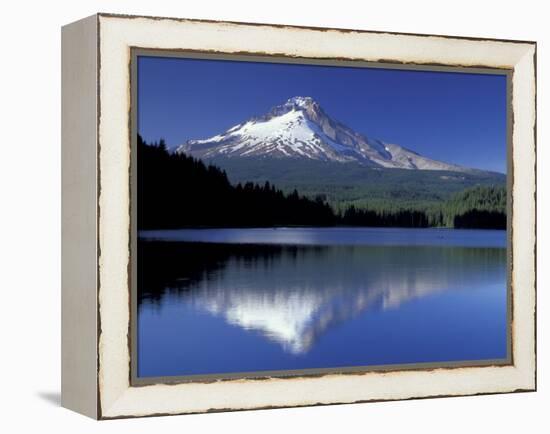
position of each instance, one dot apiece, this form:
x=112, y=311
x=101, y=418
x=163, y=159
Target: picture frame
x=99, y=223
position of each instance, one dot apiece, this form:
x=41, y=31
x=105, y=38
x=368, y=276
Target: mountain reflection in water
x=292, y=295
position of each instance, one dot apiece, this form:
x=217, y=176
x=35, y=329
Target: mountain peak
x=299, y=128
x=301, y=101
x=304, y=104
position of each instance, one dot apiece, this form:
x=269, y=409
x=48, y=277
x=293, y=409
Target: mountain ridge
x=300, y=129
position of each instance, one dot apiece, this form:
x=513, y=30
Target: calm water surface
x=214, y=301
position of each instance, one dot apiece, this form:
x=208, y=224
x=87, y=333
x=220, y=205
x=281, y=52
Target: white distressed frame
x=117, y=34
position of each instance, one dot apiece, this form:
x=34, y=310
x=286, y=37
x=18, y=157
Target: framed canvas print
x=261, y=216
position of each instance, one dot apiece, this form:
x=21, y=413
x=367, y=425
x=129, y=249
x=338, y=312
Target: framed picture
x=261, y=216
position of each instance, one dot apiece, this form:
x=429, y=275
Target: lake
x=219, y=301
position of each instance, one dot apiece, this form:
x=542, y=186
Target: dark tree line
x=479, y=219
x=481, y=207
x=478, y=207
x=396, y=218
x=176, y=190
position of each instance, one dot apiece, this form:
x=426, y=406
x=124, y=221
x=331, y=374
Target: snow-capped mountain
x=301, y=129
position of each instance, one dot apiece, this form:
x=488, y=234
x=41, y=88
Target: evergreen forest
x=179, y=191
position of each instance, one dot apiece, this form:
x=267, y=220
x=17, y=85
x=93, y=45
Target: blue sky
x=455, y=117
